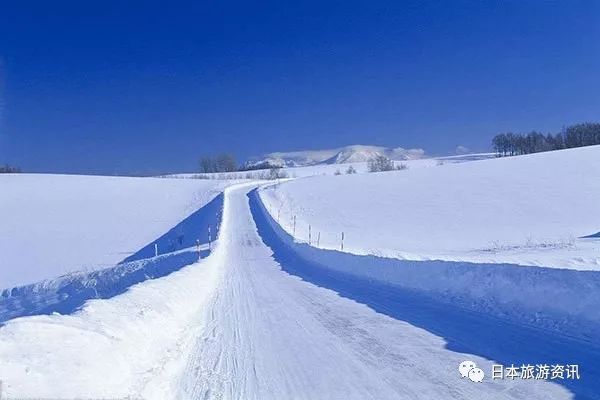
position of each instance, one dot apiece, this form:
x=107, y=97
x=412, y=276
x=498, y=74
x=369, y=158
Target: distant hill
x=347, y=154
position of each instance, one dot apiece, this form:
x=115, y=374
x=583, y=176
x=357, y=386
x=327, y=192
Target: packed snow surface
x=55, y=224
x=532, y=210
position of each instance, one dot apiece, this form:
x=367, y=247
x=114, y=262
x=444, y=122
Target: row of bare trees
x=8, y=169
x=220, y=163
x=579, y=135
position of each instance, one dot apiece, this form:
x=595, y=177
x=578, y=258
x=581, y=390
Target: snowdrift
x=53, y=225
x=65, y=294
x=128, y=346
x=476, y=309
x=529, y=210
x=561, y=300
x=110, y=348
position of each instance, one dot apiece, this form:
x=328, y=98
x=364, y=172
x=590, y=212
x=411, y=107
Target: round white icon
x=476, y=374
x=468, y=369
x=464, y=368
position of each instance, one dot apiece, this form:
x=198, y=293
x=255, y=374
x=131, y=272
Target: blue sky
x=148, y=87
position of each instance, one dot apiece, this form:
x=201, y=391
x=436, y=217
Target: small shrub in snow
x=401, y=167
x=337, y=172
x=380, y=163
x=200, y=176
x=350, y=170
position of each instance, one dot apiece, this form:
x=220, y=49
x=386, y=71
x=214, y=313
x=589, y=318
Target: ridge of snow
x=529, y=210
x=54, y=225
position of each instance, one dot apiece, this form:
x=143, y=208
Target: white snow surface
x=235, y=326
x=56, y=224
x=530, y=210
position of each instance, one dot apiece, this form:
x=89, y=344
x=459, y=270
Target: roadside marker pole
x=294, y=234
x=318, y=239
x=309, y=235
x=155, y=250
x=342, y=248
x=209, y=239
x=198, y=247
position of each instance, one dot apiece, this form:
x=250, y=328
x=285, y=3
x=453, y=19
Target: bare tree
x=277, y=173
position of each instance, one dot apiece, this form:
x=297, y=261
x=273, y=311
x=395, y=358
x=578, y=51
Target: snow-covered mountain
x=347, y=154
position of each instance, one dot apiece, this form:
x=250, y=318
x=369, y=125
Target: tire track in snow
x=271, y=335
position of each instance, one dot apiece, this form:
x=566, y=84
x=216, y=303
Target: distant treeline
x=220, y=163
x=225, y=162
x=510, y=144
x=7, y=169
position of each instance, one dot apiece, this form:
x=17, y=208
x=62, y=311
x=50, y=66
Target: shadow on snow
x=465, y=331
x=66, y=294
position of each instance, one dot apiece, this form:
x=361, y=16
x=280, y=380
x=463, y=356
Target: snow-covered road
x=238, y=326
x=271, y=335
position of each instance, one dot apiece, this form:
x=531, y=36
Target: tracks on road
x=266, y=334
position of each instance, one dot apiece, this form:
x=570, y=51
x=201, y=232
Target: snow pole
x=342, y=247
x=155, y=250
x=294, y=234
x=198, y=247
x=209, y=239
x=318, y=239
x=278, y=214
x=309, y=235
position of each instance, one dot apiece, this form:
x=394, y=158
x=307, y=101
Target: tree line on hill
x=220, y=163
x=8, y=169
x=226, y=162
x=579, y=135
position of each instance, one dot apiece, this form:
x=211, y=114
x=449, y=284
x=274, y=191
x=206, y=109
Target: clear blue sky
x=125, y=87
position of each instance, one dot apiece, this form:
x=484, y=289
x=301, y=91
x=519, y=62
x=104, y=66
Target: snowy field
x=57, y=224
x=530, y=210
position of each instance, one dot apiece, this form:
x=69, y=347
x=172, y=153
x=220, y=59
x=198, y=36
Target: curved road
x=267, y=334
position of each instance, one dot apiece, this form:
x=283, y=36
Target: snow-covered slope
x=527, y=210
x=55, y=224
x=347, y=154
